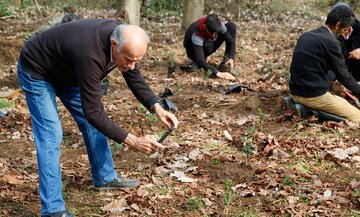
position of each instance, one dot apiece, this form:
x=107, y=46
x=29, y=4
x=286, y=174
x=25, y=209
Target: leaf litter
x=232, y=152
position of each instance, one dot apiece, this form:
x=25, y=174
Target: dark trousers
x=210, y=47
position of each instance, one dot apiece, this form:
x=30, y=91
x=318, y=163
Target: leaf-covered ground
x=238, y=154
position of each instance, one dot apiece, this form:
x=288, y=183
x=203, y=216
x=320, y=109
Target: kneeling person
x=317, y=52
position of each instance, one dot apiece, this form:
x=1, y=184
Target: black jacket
x=317, y=52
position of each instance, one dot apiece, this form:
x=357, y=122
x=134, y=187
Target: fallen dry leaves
x=233, y=154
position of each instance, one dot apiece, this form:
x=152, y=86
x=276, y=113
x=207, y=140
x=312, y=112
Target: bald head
x=129, y=45
x=129, y=35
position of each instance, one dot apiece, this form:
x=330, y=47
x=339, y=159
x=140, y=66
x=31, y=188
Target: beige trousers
x=332, y=104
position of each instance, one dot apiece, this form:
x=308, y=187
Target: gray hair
x=118, y=36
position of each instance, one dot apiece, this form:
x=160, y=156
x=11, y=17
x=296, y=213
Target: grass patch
x=6, y=104
x=211, y=146
x=116, y=147
x=215, y=162
x=152, y=118
x=160, y=133
x=356, y=193
x=195, y=203
x=287, y=181
x=162, y=190
x=141, y=107
x=301, y=167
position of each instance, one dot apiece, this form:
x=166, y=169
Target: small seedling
x=301, y=167
x=287, y=181
x=208, y=73
x=195, y=203
x=304, y=199
x=152, y=118
x=215, y=161
x=116, y=147
x=162, y=190
x=356, y=193
x=228, y=195
x=249, y=147
x=178, y=86
x=261, y=117
x=141, y=107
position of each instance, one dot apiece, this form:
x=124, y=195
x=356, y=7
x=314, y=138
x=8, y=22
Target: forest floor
x=237, y=154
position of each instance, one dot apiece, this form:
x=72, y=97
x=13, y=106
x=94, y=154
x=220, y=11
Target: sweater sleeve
x=201, y=61
x=337, y=62
x=140, y=88
x=230, y=45
x=88, y=72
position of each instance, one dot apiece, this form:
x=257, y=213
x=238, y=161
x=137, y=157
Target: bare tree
x=130, y=11
x=193, y=10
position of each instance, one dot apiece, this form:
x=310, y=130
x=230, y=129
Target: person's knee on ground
x=332, y=104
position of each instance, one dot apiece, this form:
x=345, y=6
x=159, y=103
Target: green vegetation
x=287, y=181
x=195, y=203
x=160, y=133
x=162, y=190
x=152, y=118
x=228, y=195
x=208, y=73
x=356, y=193
x=304, y=199
x=116, y=147
x=178, y=86
x=6, y=104
x=261, y=117
x=141, y=107
x=249, y=147
x=212, y=146
x=215, y=161
x=301, y=167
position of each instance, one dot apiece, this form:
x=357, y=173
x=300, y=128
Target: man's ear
x=113, y=42
x=337, y=25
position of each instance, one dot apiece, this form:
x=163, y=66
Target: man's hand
x=225, y=75
x=166, y=117
x=147, y=144
x=355, y=54
x=230, y=62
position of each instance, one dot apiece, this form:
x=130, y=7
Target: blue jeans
x=46, y=125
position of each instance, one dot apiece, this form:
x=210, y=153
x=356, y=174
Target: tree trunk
x=193, y=10
x=129, y=10
x=146, y=3
x=17, y=3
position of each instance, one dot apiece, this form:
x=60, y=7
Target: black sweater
x=78, y=54
x=317, y=52
x=197, y=52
